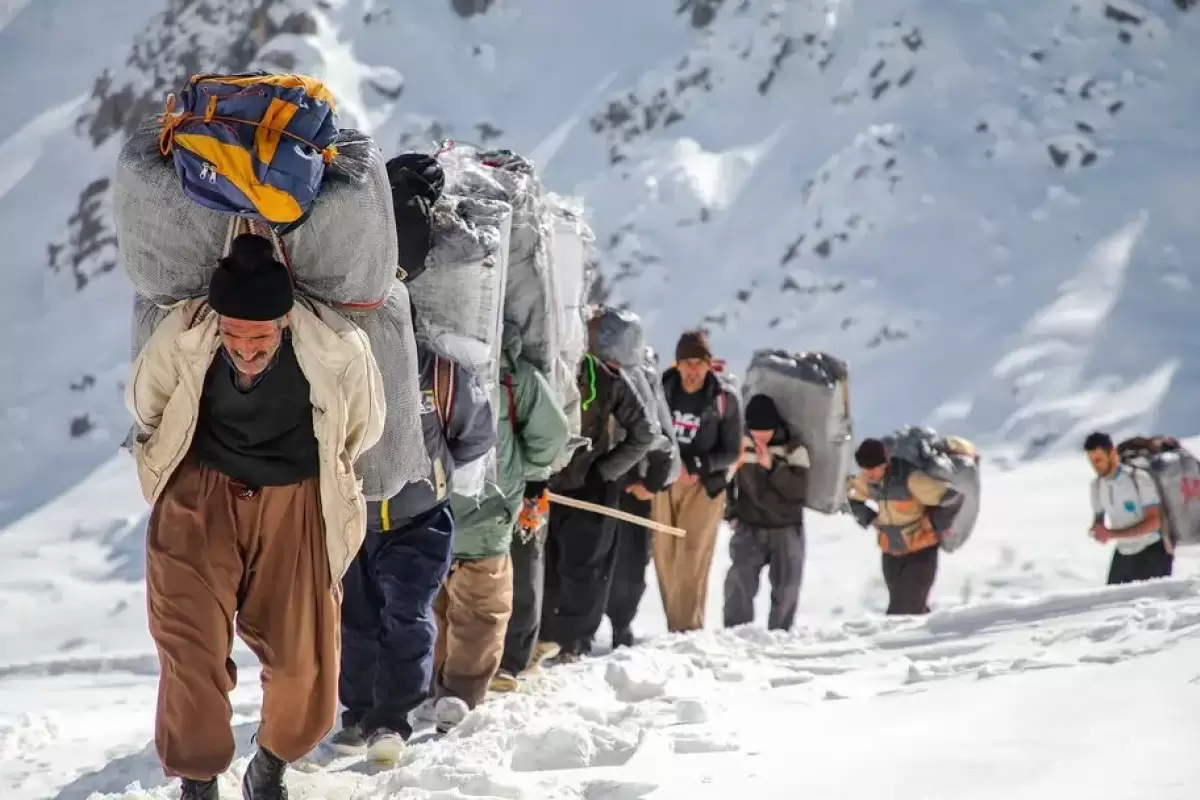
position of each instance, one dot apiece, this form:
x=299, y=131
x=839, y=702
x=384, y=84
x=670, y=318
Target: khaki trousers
x=472, y=612
x=215, y=553
x=683, y=563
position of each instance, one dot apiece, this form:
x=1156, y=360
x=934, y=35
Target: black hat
x=693, y=344
x=417, y=173
x=249, y=284
x=870, y=454
x=761, y=414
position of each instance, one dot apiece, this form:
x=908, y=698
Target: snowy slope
x=1028, y=680
x=985, y=206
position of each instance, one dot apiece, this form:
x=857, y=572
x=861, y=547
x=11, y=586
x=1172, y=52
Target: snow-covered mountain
x=986, y=207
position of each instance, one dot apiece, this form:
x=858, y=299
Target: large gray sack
x=529, y=299
x=459, y=301
x=617, y=335
x=1176, y=473
x=400, y=457
x=949, y=459
x=811, y=391
x=652, y=376
x=344, y=253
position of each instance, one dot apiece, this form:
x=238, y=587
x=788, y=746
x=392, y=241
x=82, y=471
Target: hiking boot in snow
x=542, y=652
x=384, y=746
x=264, y=777
x=567, y=657
x=622, y=637
x=450, y=711
x=349, y=739
x=505, y=681
x=198, y=790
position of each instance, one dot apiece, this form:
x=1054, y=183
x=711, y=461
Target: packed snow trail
x=947, y=705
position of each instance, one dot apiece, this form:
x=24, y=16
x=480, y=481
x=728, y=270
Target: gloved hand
x=535, y=509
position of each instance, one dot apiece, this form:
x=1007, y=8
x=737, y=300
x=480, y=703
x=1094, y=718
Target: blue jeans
x=387, y=621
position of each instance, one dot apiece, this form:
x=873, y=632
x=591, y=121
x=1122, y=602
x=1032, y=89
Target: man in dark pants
x=914, y=509
x=767, y=513
x=581, y=545
x=387, y=618
x=634, y=541
x=1127, y=510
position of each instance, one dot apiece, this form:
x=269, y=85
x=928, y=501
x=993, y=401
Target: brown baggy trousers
x=682, y=564
x=472, y=612
x=215, y=550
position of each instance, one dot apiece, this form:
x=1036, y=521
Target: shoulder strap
x=721, y=400
x=512, y=405
x=443, y=388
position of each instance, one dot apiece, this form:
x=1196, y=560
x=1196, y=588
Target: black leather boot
x=264, y=777
x=199, y=790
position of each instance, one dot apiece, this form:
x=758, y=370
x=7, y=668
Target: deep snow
x=1030, y=678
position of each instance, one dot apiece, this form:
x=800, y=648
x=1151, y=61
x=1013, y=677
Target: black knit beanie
x=870, y=454
x=761, y=414
x=249, y=284
x=693, y=344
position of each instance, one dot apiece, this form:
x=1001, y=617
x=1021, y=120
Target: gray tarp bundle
x=460, y=299
x=617, y=335
x=1176, y=473
x=929, y=452
x=530, y=300
x=811, y=391
x=653, y=375
x=389, y=329
x=345, y=252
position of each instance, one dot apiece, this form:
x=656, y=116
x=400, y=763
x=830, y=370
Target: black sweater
x=263, y=436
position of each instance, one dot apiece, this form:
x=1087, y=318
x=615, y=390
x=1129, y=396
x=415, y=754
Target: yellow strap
x=385, y=523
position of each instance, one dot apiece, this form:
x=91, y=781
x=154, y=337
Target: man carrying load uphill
x=913, y=511
x=253, y=405
x=251, y=409
x=388, y=630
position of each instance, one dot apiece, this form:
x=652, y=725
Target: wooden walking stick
x=625, y=516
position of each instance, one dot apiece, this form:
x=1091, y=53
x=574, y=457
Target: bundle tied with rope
x=263, y=154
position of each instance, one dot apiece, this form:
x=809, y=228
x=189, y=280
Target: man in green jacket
x=476, y=602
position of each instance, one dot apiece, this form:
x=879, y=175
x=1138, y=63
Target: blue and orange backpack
x=254, y=145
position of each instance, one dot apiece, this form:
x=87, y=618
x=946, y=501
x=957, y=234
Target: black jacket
x=771, y=498
x=610, y=402
x=714, y=449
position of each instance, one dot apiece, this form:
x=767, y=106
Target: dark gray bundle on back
x=811, y=391
x=616, y=335
x=951, y=459
x=345, y=252
x=400, y=457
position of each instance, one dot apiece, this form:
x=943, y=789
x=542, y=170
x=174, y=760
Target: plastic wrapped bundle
x=344, y=253
x=400, y=457
x=530, y=301
x=952, y=459
x=811, y=391
x=460, y=297
x=1176, y=473
x=570, y=242
x=617, y=335
x=651, y=373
